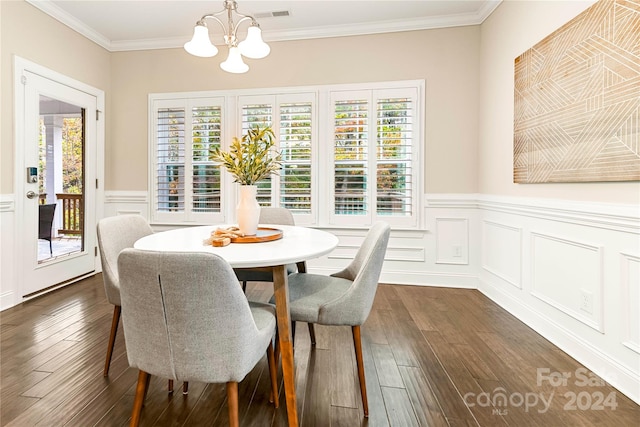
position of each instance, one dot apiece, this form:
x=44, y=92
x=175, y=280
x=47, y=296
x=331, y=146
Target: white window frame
x=322, y=166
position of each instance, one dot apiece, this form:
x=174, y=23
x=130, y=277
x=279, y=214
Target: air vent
x=271, y=14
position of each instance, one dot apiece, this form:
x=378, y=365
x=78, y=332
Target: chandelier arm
x=215, y=18
x=230, y=33
x=244, y=18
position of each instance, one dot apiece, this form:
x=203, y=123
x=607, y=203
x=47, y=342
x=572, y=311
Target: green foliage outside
x=72, y=156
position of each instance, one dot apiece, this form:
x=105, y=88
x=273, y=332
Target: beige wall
x=447, y=59
x=514, y=27
x=32, y=35
x=468, y=73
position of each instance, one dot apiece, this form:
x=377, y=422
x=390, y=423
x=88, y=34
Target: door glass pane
x=61, y=179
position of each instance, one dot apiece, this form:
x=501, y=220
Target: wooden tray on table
x=263, y=234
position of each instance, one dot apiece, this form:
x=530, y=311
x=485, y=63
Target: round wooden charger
x=263, y=234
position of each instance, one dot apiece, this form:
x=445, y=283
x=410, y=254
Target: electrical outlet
x=457, y=251
x=586, y=301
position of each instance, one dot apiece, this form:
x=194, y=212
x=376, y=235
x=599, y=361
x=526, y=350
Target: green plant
x=251, y=158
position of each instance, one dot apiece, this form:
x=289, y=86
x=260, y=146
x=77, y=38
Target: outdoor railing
x=72, y=213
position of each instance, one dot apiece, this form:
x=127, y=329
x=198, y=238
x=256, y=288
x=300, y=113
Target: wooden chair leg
x=357, y=343
x=185, y=387
x=293, y=334
x=141, y=391
x=146, y=388
x=232, y=403
x=276, y=348
x=112, y=337
x=312, y=334
x=170, y=386
x=273, y=374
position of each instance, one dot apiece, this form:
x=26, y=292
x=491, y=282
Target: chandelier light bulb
x=234, y=62
x=200, y=44
x=253, y=46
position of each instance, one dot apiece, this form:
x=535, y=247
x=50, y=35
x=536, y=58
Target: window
x=374, y=141
x=292, y=118
x=186, y=184
x=350, y=153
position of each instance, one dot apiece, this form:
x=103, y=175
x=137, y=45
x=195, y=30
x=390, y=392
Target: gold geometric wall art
x=577, y=100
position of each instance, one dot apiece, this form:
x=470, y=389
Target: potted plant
x=249, y=160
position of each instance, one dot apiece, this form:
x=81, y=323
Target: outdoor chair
x=45, y=223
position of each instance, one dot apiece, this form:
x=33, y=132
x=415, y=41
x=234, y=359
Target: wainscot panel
x=579, y=270
x=8, y=287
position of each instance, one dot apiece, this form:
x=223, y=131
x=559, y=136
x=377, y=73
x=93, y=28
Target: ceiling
x=119, y=25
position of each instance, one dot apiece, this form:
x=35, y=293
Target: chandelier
x=252, y=47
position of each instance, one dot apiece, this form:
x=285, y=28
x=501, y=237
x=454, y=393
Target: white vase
x=248, y=210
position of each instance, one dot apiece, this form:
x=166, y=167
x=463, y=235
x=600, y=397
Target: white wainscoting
x=414, y=257
x=452, y=240
x=630, y=266
x=125, y=202
x=8, y=291
x=568, y=251
x=502, y=251
x=565, y=273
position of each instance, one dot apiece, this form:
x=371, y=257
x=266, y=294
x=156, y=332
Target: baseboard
x=442, y=280
x=620, y=377
x=7, y=300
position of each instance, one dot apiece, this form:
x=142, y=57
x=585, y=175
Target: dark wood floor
x=433, y=356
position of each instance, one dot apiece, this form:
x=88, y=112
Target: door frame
x=20, y=66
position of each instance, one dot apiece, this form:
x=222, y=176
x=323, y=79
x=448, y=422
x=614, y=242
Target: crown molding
x=70, y=21
x=272, y=36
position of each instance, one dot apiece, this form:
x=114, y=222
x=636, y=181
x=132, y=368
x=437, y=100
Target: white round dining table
x=297, y=245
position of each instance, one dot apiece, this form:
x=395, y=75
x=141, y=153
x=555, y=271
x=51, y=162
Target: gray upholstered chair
x=345, y=297
x=115, y=234
x=274, y=216
x=185, y=318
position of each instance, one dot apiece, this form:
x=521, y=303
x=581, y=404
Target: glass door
x=60, y=179
x=58, y=222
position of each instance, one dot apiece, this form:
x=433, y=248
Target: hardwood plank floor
x=433, y=357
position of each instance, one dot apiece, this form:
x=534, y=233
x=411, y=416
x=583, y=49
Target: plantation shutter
x=205, y=136
x=394, y=156
x=351, y=135
x=170, y=155
x=374, y=151
x=186, y=184
x=351, y=154
x=259, y=114
x=296, y=148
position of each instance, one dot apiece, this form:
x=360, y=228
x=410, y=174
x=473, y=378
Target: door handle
x=31, y=195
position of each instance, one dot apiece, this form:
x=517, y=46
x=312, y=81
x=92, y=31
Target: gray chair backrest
x=116, y=233
x=276, y=216
x=185, y=317
x=354, y=306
